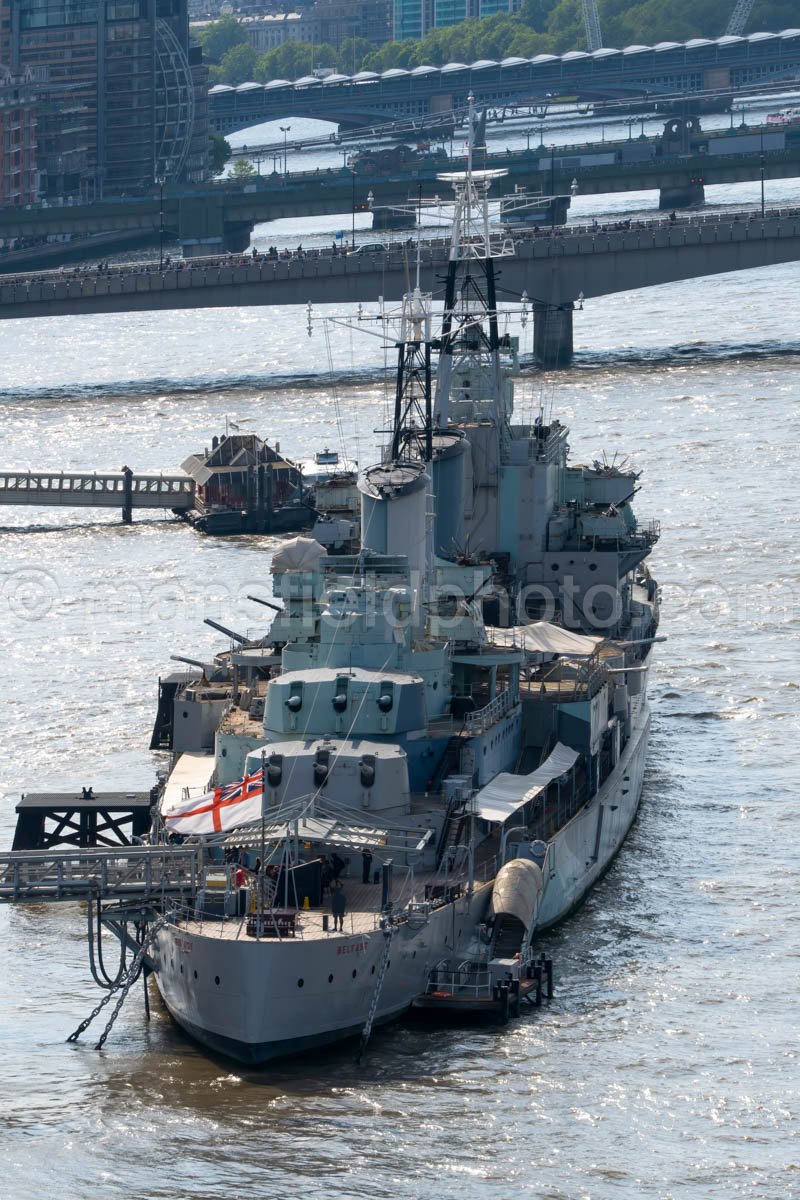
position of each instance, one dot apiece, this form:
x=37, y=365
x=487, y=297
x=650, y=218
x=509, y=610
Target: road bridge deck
x=553, y=270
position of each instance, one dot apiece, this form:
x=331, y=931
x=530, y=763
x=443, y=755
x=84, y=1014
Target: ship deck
x=362, y=912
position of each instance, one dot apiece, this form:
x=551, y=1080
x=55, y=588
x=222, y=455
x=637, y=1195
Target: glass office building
x=126, y=100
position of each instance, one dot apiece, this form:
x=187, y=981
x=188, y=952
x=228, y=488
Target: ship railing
x=467, y=982
x=495, y=710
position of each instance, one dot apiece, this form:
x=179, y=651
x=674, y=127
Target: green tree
x=220, y=153
x=292, y=60
x=239, y=64
x=242, y=171
x=220, y=36
x=351, y=54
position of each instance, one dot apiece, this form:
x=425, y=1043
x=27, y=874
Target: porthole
x=414, y=955
x=553, y=566
x=181, y=968
x=355, y=972
x=372, y=972
x=330, y=979
x=184, y=714
x=216, y=980
x=592, y=566
x=195, y=974
x=300, y=982
x=224, y=751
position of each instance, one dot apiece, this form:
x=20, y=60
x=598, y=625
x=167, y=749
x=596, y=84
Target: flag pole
x=262, y=873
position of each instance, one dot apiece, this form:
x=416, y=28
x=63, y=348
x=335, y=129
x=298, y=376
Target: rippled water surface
x=667, y=1066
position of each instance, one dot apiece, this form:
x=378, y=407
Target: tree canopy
x=540, y=27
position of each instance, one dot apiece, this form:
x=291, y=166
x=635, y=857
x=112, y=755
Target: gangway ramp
x=97, y=489
x=134, y=874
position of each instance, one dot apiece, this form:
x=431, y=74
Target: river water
x=667, y=1065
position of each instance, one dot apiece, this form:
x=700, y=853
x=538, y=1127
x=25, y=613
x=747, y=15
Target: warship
x=437, y=746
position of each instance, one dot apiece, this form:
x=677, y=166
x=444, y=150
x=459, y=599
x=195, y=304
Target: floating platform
x=48, y=819
x=495, y=991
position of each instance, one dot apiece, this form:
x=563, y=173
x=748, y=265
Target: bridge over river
x=553, y=271
x=222, y=217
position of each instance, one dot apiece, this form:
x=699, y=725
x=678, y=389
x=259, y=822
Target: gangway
x=133, y=874
x=98, y=489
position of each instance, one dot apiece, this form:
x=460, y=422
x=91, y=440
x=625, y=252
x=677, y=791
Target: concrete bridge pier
x=686, y=195
x=552, y=334
x=203, y=229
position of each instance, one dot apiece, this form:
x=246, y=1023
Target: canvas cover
x=501, y=798
x=298, y=554
x=543, y=638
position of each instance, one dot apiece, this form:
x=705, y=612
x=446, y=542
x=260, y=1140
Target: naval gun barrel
x=236, y=637
x=193, y=662
x=266, y=603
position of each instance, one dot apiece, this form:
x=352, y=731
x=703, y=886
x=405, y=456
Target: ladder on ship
x=366, y=1032
x=508, y=937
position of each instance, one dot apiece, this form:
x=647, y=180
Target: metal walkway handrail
x=130, y=872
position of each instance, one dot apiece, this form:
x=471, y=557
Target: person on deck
x=366, y=864
x=338, y=907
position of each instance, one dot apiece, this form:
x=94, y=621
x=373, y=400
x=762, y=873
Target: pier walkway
x=104, y=489
x=135, y=874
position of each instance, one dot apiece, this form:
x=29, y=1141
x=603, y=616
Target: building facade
x=20, y=94
x=126, y=101
x=415, y=18
x=329, y=22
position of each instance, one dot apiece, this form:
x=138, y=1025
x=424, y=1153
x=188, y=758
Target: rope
x=102, y=977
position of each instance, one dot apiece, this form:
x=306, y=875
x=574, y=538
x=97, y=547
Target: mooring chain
x=124, y=985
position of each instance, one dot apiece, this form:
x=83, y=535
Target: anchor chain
x=366, y=1032
x=123, y=986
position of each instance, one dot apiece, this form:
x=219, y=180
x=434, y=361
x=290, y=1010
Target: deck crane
x=739, y=17
x=591, y=19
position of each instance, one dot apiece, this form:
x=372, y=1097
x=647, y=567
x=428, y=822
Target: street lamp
x=762, y=174
x=353, y=176
x=284, y=130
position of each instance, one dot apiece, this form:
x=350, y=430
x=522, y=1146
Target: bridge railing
x=81, y=874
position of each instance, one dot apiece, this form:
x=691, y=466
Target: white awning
x=541, y=637
x=507, y=793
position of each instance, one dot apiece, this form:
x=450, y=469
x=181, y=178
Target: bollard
x=548, y=968
x=537, y=976
x=325, y=923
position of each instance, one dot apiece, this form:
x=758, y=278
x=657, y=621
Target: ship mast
x=412, y=428
x=469, y=325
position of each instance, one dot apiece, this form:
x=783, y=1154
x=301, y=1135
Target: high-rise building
x=126, y=98
x=415, y=18
x=19, y=96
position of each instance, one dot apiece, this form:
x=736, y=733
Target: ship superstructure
x=401, y=741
